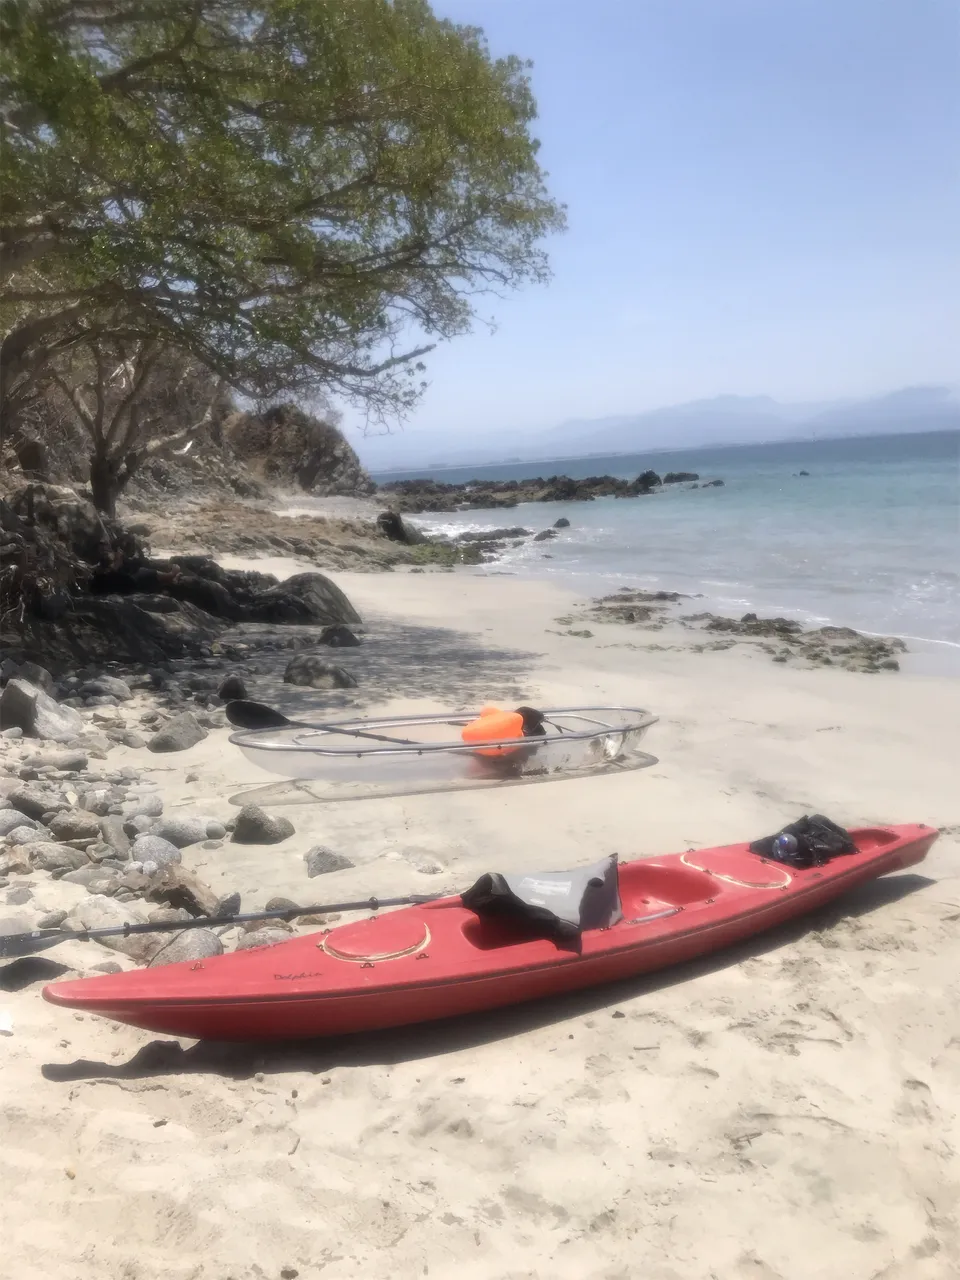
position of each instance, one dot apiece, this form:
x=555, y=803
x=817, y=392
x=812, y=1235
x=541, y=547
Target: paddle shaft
x=256, y=715
x=20, y=944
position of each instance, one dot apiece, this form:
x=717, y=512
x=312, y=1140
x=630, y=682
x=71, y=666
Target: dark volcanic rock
x=306, y=597
x=232, y=689
x=338, y=637
x=392, y=526
x=545, y=535
x=106, y=686
x=562, y=523
x=179, y=734
x=309, y=670
x=712, y=484
x=647, y=481
x=678, y=477
x=254, y=826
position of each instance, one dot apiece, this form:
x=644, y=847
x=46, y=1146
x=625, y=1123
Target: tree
x=136, y=401
x=297, y=193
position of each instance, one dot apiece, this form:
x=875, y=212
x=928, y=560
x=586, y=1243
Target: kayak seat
x=646, y=882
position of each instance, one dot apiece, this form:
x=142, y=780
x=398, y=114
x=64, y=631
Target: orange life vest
x=493, y=725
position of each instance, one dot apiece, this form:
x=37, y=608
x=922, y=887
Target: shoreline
x=709, y=1106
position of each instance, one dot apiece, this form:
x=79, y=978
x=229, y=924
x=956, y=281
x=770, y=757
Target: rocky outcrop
x=434, y=495
x=291, y=449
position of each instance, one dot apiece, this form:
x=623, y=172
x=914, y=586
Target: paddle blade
x=254, y=715
x=14, y=945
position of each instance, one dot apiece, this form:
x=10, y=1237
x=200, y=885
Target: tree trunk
x=105, y=484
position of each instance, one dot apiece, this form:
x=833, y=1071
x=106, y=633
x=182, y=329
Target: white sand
x=790, y=1111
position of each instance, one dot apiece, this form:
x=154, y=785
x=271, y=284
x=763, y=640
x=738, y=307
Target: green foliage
x=297, y=192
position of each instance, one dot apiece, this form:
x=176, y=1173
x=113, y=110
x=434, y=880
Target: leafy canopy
x=296, y=192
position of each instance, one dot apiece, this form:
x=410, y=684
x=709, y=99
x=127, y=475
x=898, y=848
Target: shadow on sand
x=395, y=660
x=238, y=1061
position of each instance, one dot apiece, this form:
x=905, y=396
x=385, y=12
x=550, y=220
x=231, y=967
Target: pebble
x=254, y=826
x=228, y=905
x=52, y=920
x=137, y=825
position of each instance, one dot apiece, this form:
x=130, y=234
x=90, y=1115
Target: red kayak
x=440, y=959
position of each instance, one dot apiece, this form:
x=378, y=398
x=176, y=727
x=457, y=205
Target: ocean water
x=870, y=539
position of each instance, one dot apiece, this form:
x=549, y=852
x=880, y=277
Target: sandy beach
x=787, y=1110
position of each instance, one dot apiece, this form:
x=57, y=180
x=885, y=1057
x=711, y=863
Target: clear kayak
x=426, y=753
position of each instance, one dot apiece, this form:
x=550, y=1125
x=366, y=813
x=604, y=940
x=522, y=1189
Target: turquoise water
x=871, y=539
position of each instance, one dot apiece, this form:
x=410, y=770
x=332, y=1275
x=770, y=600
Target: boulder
x=27, y=707
x=392, y=526
x=338, y=637
x=75, y=824
x=66, y=761
x=192, y=944
x=35, y=801
x=545, y=535
x=37, y=675
x=712, y=484
x=14, y=820
x=647, y=481
x=151, y=848
x=174, y=886
x=678, y=477
x=106, y=687
x=179, y=734
x=55, y=857
x=562, y=523
x=254, y=826
x=99, y=912
x=184, y=829
x=309, y=670
x=306, y=597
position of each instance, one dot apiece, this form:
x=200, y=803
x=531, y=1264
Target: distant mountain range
x=722, y=420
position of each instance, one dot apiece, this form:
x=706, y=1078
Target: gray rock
x=545, y=535
x=215, y=830
x=13, y=820
x=562, y=523
x=138, y=824
x=12, y=734
x=28, y=835
x=192, y=944
x=254, y=826
x=113, y=834
x=55, y=857
x=27, y=707
x=68, y=761
x=108, y=687
x=228, y=905
x=100, y=800
x=14, y=924
x=321, y=860
x=148, y=868
x=107, y=966
x=75, y=824
x=88, y=876
x=154, y=849
x=39, y=676
x=179, y=734
x=231, y=689
x=52, y=920
x=339, y=637
x=98, y=911
x=143, y=806
x=309, y=670
x=35, y=801
x=262, y=938
x=182, y=830
x=19, y=895
x=135, y=741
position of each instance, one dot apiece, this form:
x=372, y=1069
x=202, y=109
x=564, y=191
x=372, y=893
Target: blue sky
x=763, y=197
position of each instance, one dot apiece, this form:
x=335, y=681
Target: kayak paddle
x=25, y=944
x=255, y=715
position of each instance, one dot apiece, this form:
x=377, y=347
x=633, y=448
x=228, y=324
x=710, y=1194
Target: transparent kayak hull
x=428, y=754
